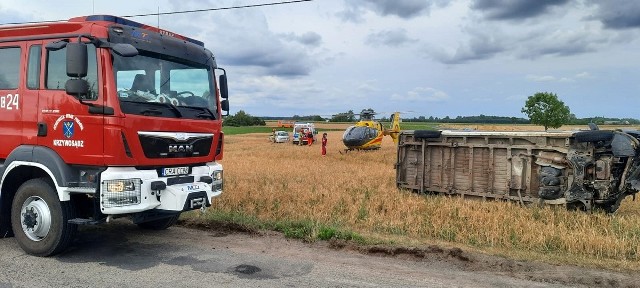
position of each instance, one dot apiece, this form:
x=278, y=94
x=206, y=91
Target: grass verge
x=306, y=230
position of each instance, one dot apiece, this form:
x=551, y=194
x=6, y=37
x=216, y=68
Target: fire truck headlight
x=217, y=180
x=217, y=175
x=121, y=192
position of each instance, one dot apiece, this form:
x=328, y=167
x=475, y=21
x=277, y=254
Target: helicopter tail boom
x=394, y=132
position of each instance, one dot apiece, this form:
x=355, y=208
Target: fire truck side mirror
x=76, y=87
x=224, y=91
x=224, y=106
x=77, y=60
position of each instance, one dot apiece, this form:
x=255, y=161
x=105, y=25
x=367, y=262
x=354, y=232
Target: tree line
x=542, y=108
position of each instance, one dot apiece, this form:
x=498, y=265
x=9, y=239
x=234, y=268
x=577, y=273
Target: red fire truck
x=103, y=117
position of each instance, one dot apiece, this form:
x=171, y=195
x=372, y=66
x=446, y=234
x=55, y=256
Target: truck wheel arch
x=38, y=162
x=24, y=163
x=12, y=180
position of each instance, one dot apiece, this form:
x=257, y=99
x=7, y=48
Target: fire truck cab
x=103, y=117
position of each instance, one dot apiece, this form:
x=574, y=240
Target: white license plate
x=172, y=171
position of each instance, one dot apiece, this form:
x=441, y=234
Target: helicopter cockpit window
x=348, y=131
x=371, y=133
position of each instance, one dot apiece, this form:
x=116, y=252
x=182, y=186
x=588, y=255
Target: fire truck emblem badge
x=68, y=129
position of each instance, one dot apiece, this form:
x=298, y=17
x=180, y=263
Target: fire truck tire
x=593, y=136
x=40, y=220
x=160, y=224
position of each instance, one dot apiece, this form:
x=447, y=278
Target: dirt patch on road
x=472, y=261
x=220, y=228
x=463, y=260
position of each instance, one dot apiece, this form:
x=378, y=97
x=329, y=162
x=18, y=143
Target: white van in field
x=298, y=128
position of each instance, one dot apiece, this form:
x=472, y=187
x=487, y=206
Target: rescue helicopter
x=367, y=133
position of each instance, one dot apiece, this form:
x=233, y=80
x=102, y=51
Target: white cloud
x=392, y=38
x=304, y=59
x=583, y=75
x=368, y=87
x=566, y=79
x=519, y=98
x=422, y=94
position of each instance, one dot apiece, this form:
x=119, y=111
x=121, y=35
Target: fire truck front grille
x=167, y=147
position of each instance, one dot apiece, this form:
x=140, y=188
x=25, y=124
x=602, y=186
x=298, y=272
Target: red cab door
x=12, y=59
x=66, y=126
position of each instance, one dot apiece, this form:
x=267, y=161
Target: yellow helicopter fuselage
x=368, y=134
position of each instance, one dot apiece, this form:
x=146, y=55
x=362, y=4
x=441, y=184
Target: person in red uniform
x=324, y=144
x=301, y=136
x=310, y=137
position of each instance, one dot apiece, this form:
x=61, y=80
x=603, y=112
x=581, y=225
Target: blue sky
x=434, y=57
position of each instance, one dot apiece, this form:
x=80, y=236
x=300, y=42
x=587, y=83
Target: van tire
x=40, y=220
x=593, y=136
x=550, y=192
x=426, y=134
x=546, y=171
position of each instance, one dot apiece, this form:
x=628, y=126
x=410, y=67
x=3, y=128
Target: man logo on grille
x=67, y=129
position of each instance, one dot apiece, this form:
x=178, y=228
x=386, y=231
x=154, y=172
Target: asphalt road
x=121, y=255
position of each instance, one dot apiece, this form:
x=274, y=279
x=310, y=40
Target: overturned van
x=581, y=170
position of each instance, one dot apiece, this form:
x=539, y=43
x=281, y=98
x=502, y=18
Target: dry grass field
x=356, y=192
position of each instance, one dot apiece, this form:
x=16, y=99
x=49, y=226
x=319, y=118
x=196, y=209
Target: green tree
x=241, y=118
x=544, y=108
x=348, y=116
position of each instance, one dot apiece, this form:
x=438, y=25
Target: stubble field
x=353, y=196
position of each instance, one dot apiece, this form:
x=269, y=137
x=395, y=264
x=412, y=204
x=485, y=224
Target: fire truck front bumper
x=126, y=190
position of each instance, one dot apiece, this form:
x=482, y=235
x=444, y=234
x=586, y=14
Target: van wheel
x=593, y=136
x=160, y=224
x=426, y=134
x=40, y=220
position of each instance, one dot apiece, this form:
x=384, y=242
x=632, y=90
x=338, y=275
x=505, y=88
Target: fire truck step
x=83, y=221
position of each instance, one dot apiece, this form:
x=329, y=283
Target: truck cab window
x=10, y=68
x=33, y=70
x=57, y=74
x=154, y=78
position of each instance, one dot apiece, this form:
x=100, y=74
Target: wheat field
x=356, y=191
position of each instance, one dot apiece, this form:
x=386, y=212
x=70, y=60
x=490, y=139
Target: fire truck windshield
x=164, y=86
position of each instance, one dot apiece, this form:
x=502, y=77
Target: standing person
x=273, y=135
x=324, y=144
x=301, y=136
x=310, y=137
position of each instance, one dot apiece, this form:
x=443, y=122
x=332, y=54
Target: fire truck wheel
x=40, y=220
x=160, y=224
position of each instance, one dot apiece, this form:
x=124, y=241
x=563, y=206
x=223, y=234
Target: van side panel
x=583, y=169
